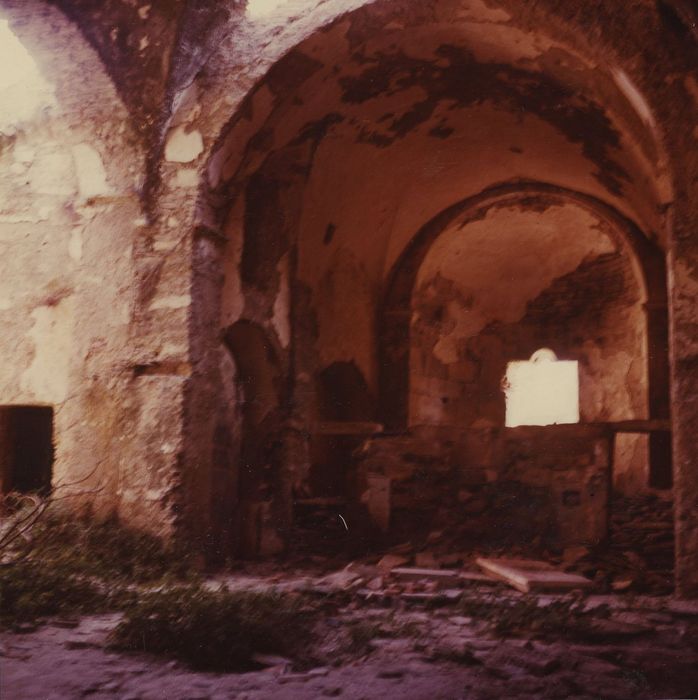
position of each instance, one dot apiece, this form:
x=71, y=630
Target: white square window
x=542, y=391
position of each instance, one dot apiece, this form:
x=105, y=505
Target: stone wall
x=499, y=484
x=70, y=170
x=333, y=132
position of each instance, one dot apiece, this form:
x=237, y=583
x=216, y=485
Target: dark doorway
x=26, y=449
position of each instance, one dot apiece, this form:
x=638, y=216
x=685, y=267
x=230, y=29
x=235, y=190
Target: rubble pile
x=317, y=527
x=639, y=556
x=643, y=529
x=433, y=527
x=499, y=515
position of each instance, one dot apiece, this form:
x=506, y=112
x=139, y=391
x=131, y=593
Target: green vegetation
x=53, y=564
x=215, y=630
x=30, y=590
x=105, y=549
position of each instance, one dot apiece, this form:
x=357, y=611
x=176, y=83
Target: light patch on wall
x=542, y=391
x=92, y=177
x=75, y=245
x=23, y=90
x=171, y=302
x=280, y=319
x=46, y=379
x=183, y=146
x=262, y=8
x=634, y=96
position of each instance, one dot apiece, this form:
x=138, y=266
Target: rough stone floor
x=640, y=647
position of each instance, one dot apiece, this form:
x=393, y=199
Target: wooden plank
x=528, y=576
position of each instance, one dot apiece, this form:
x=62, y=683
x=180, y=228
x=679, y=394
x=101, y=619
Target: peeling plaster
x=92, y=177
x=281, y=319
x=47, y=377
x=171, y=302
x=75, y=245
x=183, y=146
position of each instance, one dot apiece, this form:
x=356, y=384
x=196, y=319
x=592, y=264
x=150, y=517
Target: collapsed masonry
x=288, y=266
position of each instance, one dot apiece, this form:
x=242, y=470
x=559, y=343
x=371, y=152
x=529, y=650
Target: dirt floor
x=482, y=641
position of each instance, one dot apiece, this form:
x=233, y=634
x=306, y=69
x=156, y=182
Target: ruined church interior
x=350, y=349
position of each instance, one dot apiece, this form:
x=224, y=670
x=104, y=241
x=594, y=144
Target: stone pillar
x=660, y=470
x=684, y=350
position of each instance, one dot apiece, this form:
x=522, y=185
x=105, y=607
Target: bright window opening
x=542, y=391
x=23, y=90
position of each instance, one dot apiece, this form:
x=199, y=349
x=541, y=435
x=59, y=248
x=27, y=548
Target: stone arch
x=343, y=394
x=394, y=313
x=93, y=107
x=247, y=146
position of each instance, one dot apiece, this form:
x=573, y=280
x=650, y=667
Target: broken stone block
x=451, y=560
x=391, y=561
x=528, y=575
x=476, y=577
x=622, y=584
x=375, y=584
x=442, y=577
x=571, y=555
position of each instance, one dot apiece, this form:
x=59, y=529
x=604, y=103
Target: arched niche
x=343, y=394
x=377, y=123
x=249, y=438
x=514, y=333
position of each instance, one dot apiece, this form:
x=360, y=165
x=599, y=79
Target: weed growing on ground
x=55, y=564
x=104, y=548
x=215, y=630
x=30, y=590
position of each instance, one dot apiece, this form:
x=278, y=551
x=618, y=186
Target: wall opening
x=542, y=390
x=26, y=449
x=261, y=508
x=343, y=394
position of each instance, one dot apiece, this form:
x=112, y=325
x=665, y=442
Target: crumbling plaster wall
x=496, y=290
x=655, y=58
x=521, y=278
x=69, y=212
x=404, y=156
x=229, y=162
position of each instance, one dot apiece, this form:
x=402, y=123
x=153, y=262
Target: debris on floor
x=487, y=643
x=527, y=575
